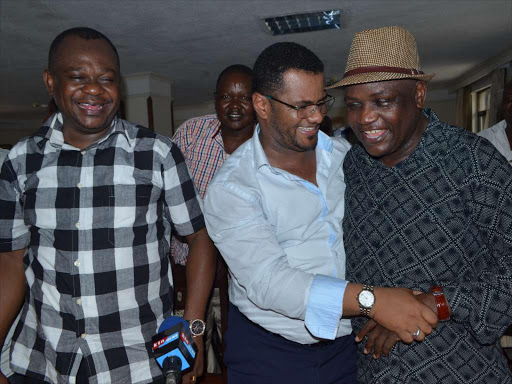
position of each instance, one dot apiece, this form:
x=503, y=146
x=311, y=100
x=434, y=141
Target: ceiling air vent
x=304, y=22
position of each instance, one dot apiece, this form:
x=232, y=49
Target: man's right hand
x=398, y=310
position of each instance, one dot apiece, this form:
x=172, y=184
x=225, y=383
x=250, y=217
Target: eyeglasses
x=310, y=109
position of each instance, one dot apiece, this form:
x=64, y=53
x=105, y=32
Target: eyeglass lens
x=309, y=110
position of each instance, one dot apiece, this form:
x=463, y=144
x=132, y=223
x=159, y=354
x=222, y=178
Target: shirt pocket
x=134, y=208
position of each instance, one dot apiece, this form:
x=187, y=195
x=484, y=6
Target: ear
x=420, y=94
x=261, y=105
x=48, y=81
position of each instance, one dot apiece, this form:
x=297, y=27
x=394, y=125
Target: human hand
x=198, y=369
x=3, y=379
x=427, y=299
x=380, y=339
x=401, y=312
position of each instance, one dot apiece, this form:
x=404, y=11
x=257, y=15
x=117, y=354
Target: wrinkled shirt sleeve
x=14, y=234
x=236, y=222
x=325, y=306
x=485, y=303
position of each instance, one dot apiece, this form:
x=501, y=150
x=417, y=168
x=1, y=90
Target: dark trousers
x=256, y=356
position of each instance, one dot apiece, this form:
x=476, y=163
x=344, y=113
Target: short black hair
x=82, y=32
x=235, y=68
x=278, y=58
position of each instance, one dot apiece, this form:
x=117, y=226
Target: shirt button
x=79, y=185
x=77, y=263
x=79, y=301
x=83, y=335
x=77, y=225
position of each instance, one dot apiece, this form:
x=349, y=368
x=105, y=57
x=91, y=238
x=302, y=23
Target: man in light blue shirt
x=274, y=210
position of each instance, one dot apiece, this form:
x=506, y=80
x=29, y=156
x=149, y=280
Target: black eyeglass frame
x=328, y=99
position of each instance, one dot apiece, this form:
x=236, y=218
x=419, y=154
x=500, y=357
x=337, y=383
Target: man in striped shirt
x=206, y=142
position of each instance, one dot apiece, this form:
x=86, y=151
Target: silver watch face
x=366, y=299
x=197, y=327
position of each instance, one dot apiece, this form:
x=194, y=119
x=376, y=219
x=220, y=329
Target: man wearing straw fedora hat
x=428, y=207
x=274, y=210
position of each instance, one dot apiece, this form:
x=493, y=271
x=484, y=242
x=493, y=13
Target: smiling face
x=286, y=130
x=233, y=102
x=84, y=83
x=386, y=117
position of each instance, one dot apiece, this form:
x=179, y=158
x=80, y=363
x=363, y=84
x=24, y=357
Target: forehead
x=233, y=78
x=75, y=49
x=302, y=85
x=378, y=88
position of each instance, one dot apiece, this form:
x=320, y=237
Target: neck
x=302, y=164
x=410, y=145
x=82, y=140
x=233, y=138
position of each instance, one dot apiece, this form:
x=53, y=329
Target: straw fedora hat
x=387, y=53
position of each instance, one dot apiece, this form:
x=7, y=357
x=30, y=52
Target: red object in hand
x=443, y=313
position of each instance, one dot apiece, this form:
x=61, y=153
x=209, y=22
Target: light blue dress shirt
x=282, y=239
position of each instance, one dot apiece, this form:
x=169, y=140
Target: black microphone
x=172, y=369
x=173, y=348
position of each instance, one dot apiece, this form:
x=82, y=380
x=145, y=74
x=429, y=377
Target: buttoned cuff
x=325, y=306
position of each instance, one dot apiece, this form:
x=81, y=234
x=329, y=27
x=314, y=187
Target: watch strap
x=443, y=313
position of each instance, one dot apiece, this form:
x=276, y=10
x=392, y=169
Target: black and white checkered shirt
x=97, y=225
x=443, y=216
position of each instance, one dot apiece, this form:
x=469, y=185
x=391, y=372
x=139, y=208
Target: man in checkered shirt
x=86, y=209
x=206, y=142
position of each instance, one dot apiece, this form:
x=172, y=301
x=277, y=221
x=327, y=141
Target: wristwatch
x=197, y=327
x=366, y=300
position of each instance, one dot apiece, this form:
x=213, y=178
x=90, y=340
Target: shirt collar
x=54, y=130
x=260, y=158
x=215, y=128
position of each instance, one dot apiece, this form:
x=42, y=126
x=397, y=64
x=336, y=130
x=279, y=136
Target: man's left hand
x=198, y=370
x=380, y=339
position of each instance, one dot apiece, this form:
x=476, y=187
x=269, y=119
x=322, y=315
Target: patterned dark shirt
x=441, y=217
x=97, y=224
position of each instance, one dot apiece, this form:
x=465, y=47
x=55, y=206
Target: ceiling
x=191, y=41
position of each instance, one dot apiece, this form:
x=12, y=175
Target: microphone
x=173, y=348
